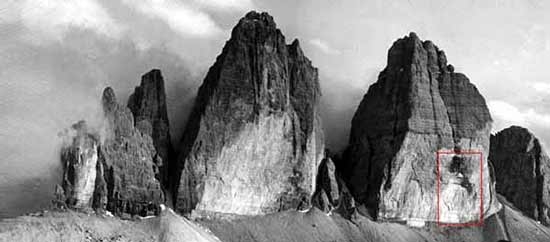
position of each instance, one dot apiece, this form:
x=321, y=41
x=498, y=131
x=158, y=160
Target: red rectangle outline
x=480, y=222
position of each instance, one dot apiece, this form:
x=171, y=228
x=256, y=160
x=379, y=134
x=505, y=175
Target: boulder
x=254, y=139
x=522, y=171
x=418, y=107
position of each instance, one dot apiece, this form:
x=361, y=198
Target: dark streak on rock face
x=522, y=171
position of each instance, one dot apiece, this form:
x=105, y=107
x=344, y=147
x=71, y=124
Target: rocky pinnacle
x=522, y=171
x=117, y=174
x=254, y=139
x=420, y=106
x=148, y=105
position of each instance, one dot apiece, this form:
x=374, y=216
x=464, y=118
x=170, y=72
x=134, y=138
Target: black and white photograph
x=275, y=121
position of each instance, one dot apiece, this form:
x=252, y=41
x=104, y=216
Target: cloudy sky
x=56, y=56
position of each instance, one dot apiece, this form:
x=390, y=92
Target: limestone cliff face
x=419, y=106
x=522, y=171
x=148, y=105
x=79, y=163
x=254, y=140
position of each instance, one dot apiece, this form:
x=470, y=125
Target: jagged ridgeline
x=254, y=138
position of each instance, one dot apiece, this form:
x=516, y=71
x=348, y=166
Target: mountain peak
x=417, y=107
x=256, y=26
x=153, y=75
x=259, y=16
x=148, y=106
x=411, y=49
x=294, y=48
x=254, y=129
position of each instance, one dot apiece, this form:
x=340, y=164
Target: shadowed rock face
x=522, y=171
x=418, y=106
x=254, y=140
x=148, y=105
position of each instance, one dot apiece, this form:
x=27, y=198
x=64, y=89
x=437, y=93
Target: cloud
x=226, y=5
x=51, y=19
x=541, y=87
x=324, y=47
x=506, y=114
x=180, y=17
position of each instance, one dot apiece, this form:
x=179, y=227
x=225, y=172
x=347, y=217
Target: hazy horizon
x=58, y=56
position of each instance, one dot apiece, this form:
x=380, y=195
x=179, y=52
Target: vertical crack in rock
x=417, y=107
x=255, y=126
x=522, y=171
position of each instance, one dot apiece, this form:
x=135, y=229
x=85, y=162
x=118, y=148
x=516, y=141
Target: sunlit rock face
x=148, y=105
x=254, y=139
x=419, y=106
x=125, y=181
x=522, y=171
x=79, y=163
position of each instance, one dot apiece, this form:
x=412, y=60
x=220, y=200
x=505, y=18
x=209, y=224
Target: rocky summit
x=418, y=107
x=254, y=139
x=522, y=171
x=148, y=105
x=127, y=176
x=116, y=174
